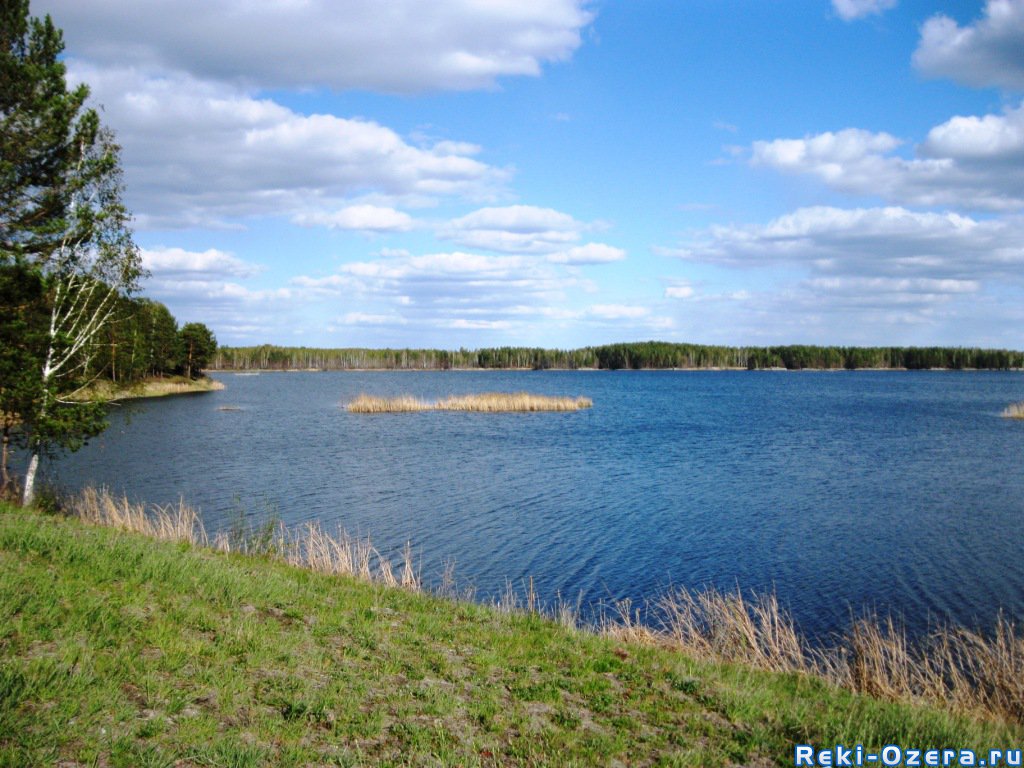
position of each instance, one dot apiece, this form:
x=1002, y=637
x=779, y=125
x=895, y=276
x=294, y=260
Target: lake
x=898, y=491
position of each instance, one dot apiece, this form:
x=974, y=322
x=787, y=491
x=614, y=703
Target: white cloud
x=997, y=140
x=200, y=153
x=362, y=318
x=509, y=297
x=524, y=229
x=944, y=248
x=185, y=265
x=967, y=162
x=679, y=292
x=848, y=10
x=989, y=52
x=364, y=218
x=398, y=46
x=458, y=264
x=591, y=253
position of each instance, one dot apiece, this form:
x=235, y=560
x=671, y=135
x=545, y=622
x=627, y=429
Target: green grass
x=119, y=650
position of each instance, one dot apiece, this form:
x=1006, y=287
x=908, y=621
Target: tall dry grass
x=485, y=402
x=963, y=670
x=168, y=523
x=401, y=404
x=312, y=547
x=307, y=547
x=1014, y=411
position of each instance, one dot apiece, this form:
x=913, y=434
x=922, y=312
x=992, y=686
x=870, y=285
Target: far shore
x=249, y=371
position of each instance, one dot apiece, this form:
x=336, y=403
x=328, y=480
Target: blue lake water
x=900, y=491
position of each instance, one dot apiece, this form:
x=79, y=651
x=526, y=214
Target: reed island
x=485, y=402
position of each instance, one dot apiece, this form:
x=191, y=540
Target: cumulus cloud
x=997, y=141
x=514, y=229
x=989, y=52
x=848, y=10
x=364, y=218
x=946, y=250
x=591, y=253
x=398, y=46
x=180, y=264
x=967, y=162
x=201, y=153
x=432, y=289
x=513, y=296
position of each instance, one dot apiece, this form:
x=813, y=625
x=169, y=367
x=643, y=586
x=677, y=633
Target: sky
x=561, y=173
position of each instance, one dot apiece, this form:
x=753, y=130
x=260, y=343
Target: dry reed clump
x=170, y=523
x=960, y=669
x=485, y=402
x=311, y=547
x=1014, y=411
x=401, y=404
x=306, y=547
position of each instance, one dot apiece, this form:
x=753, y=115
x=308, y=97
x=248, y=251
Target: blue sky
x=560, y=173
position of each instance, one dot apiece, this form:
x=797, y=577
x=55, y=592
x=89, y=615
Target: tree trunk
x=5, y=478
x=29, y=495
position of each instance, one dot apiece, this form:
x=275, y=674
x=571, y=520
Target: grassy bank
x=121, y=650
x=162, y=386
x=485, y=402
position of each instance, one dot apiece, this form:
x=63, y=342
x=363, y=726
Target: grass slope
x=118, y=650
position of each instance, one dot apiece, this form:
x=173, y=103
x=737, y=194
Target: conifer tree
x=63, y=223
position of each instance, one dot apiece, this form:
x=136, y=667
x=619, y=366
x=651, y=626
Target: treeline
x=143, y=340
x=635, y=356
x=134, y=339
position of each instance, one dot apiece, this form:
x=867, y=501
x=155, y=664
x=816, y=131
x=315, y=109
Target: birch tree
x=62, y=219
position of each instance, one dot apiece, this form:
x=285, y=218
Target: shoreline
x=346, y=658
x=151, y=388
x=719, y=369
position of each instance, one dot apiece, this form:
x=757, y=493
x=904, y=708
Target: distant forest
x=635, y=356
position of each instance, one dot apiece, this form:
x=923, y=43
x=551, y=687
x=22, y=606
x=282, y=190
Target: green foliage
x=140, y=341
x=634, y=355
x=41, y=135
x=23, y=314
x=63, y=224
x=198, y=345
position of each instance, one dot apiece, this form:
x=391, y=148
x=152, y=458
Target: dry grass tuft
x=486, y=402
x=307, y=547
x=500, y=402
x=170, y=523
x=1014, y=411
x=728, y=626
x=311, y=547
x=962, y=670
x=401, y=404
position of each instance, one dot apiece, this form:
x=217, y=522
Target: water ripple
x=899, y=491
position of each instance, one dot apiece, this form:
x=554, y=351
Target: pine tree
x=62, y=221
